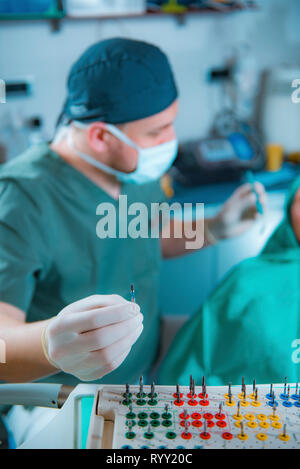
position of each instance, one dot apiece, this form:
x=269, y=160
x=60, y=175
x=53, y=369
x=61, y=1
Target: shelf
x=31, y=16
x=54, y=14
x=156, y=13
x=56, y=17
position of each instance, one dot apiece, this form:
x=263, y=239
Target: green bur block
x=171, y=435
x=167, y=423
x=143, y=423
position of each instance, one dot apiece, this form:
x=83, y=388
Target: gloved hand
x=93, y=336
x=238, y=212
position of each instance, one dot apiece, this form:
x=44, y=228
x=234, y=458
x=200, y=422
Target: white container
x=88, y=8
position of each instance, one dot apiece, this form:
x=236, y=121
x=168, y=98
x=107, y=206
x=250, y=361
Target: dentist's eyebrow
x=162, y=127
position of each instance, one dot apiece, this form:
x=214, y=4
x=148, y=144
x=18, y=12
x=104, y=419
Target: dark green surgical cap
x=119, y=80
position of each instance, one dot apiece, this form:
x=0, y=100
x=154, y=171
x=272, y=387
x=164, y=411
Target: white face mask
x=153, y=162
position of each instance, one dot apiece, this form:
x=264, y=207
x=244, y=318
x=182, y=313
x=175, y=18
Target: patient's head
x=295, y=215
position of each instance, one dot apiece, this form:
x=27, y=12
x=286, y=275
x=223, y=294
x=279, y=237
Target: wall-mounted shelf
x=55, y=18
x=54, y=14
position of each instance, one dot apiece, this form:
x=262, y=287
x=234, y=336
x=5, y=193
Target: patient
x=249, y=324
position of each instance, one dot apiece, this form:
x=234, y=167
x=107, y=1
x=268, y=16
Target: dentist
x=64, y=310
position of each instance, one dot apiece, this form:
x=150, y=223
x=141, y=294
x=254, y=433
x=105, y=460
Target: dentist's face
x=153, y=130
x=148, y=132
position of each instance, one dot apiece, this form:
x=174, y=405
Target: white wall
x=204, y=41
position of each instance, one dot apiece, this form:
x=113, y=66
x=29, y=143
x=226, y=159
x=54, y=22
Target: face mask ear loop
x=121, y=136
x=90, y=159
x=114, y=131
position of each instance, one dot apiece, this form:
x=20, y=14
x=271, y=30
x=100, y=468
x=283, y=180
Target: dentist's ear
x=98, y=136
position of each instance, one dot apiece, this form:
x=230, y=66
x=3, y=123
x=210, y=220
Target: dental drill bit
x=132, y=293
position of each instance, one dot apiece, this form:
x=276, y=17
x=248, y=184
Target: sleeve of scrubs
x=20, y=243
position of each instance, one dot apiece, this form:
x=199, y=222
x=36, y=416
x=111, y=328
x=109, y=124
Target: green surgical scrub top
x=50, y=255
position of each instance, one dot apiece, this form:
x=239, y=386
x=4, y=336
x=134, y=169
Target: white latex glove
x=93, y=336
x=238, y=213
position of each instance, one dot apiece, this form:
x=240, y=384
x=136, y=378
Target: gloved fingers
x=73, y=362
x=260, y=189
x=249, y=202
x=261, y=193
x=246, y=189
x=246, y=202
x=250, y=214
x=63, y=341
x=98, y=317
x=107, y=356
x=120, y=360
x=243, y=197
x=233, y=210
x=106, y=336
x=94, y=302
x=242, y=190
x=97, y=373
